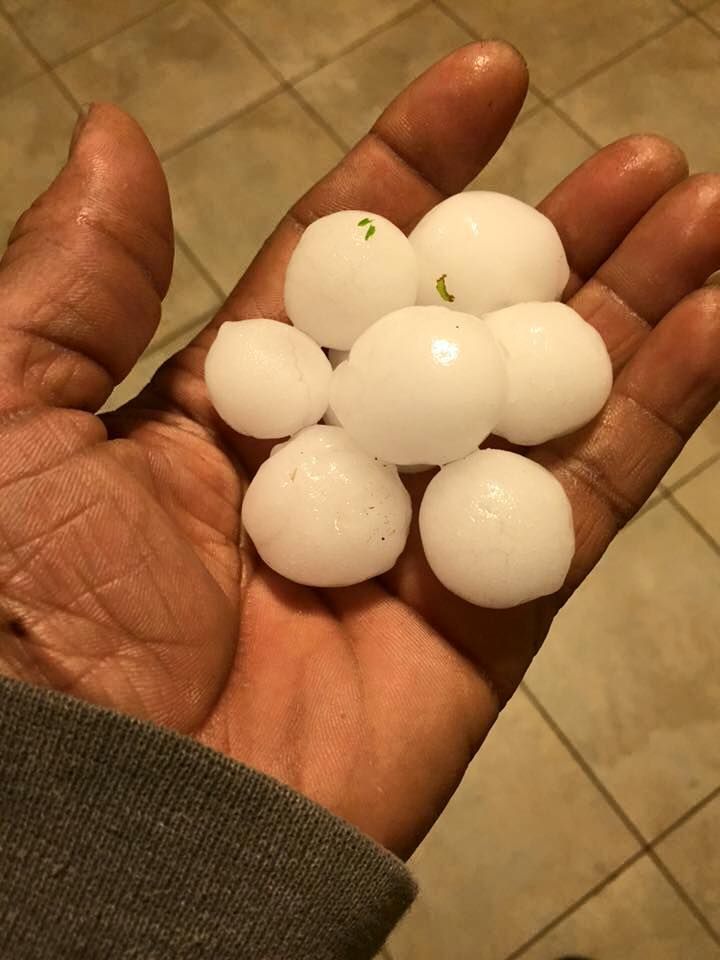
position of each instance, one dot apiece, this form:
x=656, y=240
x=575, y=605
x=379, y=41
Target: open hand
x=125, y=578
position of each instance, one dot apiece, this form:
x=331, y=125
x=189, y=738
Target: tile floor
x=590, y=822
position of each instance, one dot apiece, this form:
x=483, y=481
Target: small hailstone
x=480, y=251
x=559, y=371
x=497, y=529
x=422, y=385
x=266, y=379
x=348, y=270
x=320, y=511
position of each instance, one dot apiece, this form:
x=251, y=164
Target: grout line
x=318, y=118
x=458, y=20
x=568, y=120
x=622, y=55
x=376, y=31
x=40, y=64
x=565, y=117
x=697, y=15
x=696, y=525
x=576, y=905
x=109, y=36
x=695, y=808
x=198, y=135
x=183, y=245
x=684, y=896
x=585, y=766
x=692, y=474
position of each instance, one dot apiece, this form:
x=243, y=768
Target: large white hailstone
x=497, y=529
x=559, y=371
x=266, y=379
x=348, y=270
x=422, y=385
x=480, y=251
x=320, y=511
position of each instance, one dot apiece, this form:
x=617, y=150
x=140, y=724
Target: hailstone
x=348, y=270
x=479, y=251
x=497, y=529
x=266, y=379
x=559, y=371
x=320, y=511
x=423, y=385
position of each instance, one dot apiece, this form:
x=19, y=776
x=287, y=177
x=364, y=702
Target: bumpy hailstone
x=480, y=251
x=267, y=379
x=497, y=529
x=422, y=385
x=321, y=512
x=348, y=270
x=559, y=371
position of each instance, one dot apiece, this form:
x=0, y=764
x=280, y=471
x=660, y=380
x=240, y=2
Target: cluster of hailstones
x=434, y=342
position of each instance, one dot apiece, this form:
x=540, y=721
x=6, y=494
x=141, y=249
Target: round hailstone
x=559, y=371
x=321, y=512
x=497, y=529
x=348, y=270
x=480, y=251
x=422, y=385
x=266, y=379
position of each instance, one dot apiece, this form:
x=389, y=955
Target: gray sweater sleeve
x=122, y=840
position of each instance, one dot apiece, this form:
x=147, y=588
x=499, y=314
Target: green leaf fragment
x=364, y=222
x=443, y=290
x=370, y=232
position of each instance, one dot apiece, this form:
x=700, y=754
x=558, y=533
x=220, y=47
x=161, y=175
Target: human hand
x=125, y=578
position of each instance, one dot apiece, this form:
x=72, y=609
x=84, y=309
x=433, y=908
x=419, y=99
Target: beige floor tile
x=692, y=852
x=178, y=71
x=537, y=155
x=58, y=28
x=701, y=498
x=668, y=86
x=35, y=127
x=230, y=189
x=369, y=77
x=565, y=39
x=636, y=917
x=631, y=671
x=299, y=35
x=525, y=835
x=702, y=446
x=16, y=63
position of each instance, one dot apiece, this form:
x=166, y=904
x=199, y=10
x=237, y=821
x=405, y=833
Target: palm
x=125, y=578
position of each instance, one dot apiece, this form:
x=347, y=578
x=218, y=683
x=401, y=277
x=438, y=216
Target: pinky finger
x=660, y=398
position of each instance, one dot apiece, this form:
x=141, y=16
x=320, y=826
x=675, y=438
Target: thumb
x=85, y=270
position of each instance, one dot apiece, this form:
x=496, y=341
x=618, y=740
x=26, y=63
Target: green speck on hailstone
x=370, y=229
x=443, y=290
